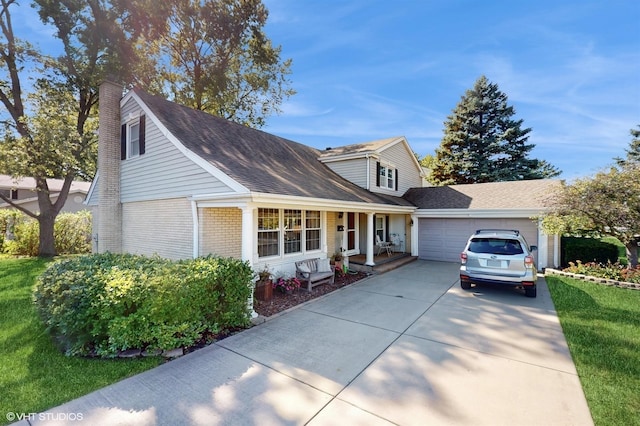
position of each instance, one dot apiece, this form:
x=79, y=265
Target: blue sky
x=371, y=69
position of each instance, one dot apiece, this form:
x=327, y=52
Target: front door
x=352, y=231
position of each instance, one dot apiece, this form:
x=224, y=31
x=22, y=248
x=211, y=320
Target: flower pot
x=264, y=290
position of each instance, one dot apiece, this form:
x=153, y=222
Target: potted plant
x=264, y=289
x=337, y=260
x=286, y=285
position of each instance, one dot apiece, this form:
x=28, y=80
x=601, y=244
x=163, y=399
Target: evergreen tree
x=483, y=143
x=633, y=152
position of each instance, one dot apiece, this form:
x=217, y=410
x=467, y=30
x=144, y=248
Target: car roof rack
x=514, y=231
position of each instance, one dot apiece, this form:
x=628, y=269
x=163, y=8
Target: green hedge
x=587, y=250
x=105, y=303
x=8, y=218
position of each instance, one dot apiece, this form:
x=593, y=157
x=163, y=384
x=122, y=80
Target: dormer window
x=387, y=177
x=132, y=143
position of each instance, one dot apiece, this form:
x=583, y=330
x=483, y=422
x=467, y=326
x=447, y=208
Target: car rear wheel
x=531, y=291
x=466, y=285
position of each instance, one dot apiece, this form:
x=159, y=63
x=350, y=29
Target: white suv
x=498, y=256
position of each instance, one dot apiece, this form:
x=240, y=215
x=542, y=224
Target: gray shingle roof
x=358, y=148
x=529, y=194
x=55, y=185
x=259, y=161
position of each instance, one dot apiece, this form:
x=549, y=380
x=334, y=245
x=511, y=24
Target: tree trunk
x=632, y=253
x=48, y=213
x=47, y=242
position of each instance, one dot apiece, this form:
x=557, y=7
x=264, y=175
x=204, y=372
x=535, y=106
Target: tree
x=633, y=152
x=483, y=143
x=219, y=60
x=57, y=140
x=111, y=38
x=606, y=204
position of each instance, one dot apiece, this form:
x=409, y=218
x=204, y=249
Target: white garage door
x=444, y=239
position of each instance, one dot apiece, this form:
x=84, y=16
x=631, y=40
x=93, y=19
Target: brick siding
x=221, y=232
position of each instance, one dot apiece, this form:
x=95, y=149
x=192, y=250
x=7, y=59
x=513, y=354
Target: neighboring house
x=181, y=183
x=23, y=192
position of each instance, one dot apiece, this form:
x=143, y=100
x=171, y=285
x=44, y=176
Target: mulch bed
x=278, y=303
x=281, y=302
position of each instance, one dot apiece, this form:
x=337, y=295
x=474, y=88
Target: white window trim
x=383, y=219
x=303, y=236
x=384, y=176
x=130, y=124
x=356, y=236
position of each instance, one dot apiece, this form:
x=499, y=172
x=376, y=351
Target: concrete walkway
x=407, y=347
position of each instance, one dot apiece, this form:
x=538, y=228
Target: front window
x=292, y=231
x=134, y=140
x=268, y=232
x=312, y=232
x=380, y=227
x=387, y=177
x=288, y=231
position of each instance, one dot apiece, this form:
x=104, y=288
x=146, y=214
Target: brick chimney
x=109, y=206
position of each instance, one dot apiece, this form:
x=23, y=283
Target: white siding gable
x=360, y=165
x=398, y=156
x=166, y=169
x=354, y=170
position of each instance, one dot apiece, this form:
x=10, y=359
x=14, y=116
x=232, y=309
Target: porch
x=383, y=262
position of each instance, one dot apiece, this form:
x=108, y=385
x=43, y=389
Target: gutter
x=238, y=200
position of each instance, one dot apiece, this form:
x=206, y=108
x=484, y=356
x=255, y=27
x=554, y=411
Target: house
x=181, y=183
x=23, y=192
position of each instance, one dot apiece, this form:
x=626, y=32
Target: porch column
x=543, y=247
x=247, y=245
x=247, y=233
x=414, y=235
x=370, y=232
x=195, y=229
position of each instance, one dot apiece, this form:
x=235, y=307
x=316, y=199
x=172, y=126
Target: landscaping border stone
x=597, y=280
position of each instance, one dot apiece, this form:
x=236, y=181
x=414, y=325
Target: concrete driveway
x=407, y=347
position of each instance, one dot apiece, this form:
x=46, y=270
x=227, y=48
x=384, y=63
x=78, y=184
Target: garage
x=443, y=239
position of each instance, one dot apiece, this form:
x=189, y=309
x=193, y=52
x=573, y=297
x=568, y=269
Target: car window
x=495, y=246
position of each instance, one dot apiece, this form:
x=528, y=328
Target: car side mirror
x=533, y=248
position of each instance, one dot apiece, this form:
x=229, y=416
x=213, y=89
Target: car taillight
x=528, y=262
x=463, y=258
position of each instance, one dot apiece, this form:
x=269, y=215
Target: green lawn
x=34, y=375
x=602, y=327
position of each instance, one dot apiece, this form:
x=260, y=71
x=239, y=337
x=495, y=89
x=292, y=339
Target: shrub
x=105, y=303
x=8, y=219
x=587, y=250
x=26, y=238
x=612, y=271
x=72, y=233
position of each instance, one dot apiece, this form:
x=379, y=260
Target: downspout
x=196, y=229
x=368, y=172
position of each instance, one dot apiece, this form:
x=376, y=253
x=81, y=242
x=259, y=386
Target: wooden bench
x=307, y=272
